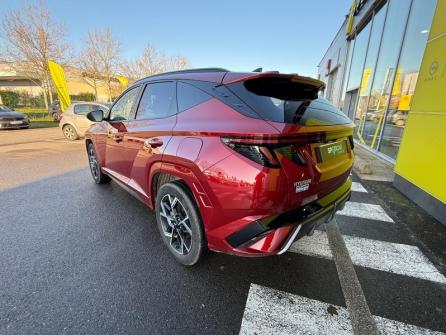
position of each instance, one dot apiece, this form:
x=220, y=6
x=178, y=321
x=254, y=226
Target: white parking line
x=402, y=259
x=357, y=187
x=365, y=211
x=270, y=311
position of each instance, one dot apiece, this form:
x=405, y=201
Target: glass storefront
x=366, y=112
x=414, y=43
x=385, y=59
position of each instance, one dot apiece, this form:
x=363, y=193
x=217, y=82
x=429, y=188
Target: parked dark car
x=10, y=119
x=54, y=110
x=241, y=163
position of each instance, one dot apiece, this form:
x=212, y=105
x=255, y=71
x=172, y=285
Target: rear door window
x=280, y=100
x=158, y=101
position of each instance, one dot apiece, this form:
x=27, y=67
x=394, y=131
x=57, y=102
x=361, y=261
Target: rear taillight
x=260, y=154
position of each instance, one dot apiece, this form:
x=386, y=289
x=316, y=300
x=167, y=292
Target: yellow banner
x=123, y=81
x=365, y=79
x=351, y=17
x=58, y=77
x=397, y=83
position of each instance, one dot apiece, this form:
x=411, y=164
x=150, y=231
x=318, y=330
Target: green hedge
x=10, y=98
x=14, y=99
x=82, y=97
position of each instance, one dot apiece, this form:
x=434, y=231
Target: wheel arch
x=171, y=172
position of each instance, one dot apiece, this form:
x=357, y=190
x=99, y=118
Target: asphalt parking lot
x=81, y=258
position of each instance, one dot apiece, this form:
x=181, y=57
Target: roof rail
x=204, y=69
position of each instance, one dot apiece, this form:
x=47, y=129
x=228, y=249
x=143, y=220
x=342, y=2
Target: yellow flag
x=58, y=76
x=123, y=81
x=365, y=79
x=397, y=83
x=351, y=17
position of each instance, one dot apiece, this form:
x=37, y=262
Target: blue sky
x=289, y=36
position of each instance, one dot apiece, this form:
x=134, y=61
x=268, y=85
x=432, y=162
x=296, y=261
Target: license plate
x=326, y=152
x=16, y=122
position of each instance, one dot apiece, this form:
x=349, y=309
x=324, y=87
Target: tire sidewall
x=198, y=246
x=74, y=132
x=102, y=178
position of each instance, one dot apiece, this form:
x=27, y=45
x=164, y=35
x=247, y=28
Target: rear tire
x=98, y=176
x=70, y=133
x=55, y=117
x=179, y=223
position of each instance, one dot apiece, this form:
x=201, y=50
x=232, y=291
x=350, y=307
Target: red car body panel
x=230, y=190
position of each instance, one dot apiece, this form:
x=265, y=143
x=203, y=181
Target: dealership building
x=386, y=70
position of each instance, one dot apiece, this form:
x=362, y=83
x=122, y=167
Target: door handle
x=115, y=135
x=153, y=143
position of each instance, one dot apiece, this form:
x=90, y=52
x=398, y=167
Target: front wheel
x=95, y=169
x=179, y=223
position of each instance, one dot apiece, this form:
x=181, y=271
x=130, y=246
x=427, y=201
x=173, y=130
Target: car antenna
x=259, y=69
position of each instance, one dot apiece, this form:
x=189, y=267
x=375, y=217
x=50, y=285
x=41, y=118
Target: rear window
x=280, y=100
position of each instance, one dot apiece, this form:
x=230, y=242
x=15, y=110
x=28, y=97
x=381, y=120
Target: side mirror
x=96, y=116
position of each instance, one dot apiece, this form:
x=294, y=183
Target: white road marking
x=402, y=259
x=357, y=187
x=270, y=311
x=365, y=211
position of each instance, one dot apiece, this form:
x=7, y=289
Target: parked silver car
x=74, y=122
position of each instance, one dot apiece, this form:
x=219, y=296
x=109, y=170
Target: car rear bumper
x=275, y=235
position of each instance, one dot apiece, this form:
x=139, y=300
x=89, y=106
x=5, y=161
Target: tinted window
x=282, y=103
x=190, y=96
x=122, y=108
x=82, y=109
x=158, y=101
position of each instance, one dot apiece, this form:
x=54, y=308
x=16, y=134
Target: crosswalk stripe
x=365, y=211
x=402, y=259
x=357, y=187
x=270, y=311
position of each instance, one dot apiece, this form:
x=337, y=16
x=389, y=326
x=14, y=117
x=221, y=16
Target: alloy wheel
x=176, y=224
x=94, y=166
x=69, y=133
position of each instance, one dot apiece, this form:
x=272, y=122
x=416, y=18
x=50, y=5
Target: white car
x=74, y=122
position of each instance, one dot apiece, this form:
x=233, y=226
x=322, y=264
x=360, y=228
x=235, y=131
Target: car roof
x=222, y=76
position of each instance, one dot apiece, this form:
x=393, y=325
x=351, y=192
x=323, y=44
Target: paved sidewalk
x=400, y=271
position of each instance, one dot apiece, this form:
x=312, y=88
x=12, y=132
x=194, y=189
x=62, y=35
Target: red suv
x=241, y=163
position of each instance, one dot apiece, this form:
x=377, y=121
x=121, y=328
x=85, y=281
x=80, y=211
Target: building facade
x=381, y=69
x=17, y=78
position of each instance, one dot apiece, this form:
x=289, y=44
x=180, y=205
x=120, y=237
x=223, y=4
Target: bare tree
x=90, y=64
x=152, y=62
x=178, y=62
x=104, y=50
x=32, y=39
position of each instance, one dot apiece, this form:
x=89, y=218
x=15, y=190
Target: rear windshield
x=280, y=100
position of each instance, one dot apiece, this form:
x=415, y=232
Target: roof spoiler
x=299, y=87
x=315, y=84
